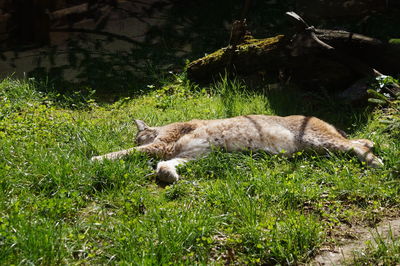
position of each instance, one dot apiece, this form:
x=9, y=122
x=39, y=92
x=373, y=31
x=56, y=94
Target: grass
x=245, y=208
x=380, y=251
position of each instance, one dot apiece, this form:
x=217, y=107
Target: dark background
x=114, y=46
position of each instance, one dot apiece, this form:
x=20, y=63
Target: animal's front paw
x=167, y=174
x=97, y=158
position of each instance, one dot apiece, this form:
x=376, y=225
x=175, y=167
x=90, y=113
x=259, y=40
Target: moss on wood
x=245, y=57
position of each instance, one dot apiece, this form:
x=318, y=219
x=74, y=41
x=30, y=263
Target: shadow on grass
x=285, y=100
x=322, y=104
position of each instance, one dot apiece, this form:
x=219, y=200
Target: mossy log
x=303, y=59
x=245, y=58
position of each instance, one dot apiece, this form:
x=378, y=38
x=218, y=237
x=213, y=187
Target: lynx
x=177, y=143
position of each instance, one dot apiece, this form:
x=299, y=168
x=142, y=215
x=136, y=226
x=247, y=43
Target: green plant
x=386, y=90
x=56, y=207
x=387, y=93
x=380, y=250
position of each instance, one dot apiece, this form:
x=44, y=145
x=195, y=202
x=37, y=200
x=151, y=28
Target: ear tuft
x=141, y=125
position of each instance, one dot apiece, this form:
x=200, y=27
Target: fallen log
x=248, y=57
x=311, y=58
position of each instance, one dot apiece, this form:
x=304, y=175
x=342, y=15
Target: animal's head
x=145, y=133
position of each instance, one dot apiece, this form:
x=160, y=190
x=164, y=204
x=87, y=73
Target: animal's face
x=145, y=133
x=146, y=136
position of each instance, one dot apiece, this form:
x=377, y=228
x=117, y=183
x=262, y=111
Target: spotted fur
x=180, y=142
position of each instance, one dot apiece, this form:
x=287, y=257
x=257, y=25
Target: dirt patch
x=338, y=254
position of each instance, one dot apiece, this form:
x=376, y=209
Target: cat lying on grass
x=180, y=142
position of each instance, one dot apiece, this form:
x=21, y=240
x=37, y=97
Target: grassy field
x=58, y=207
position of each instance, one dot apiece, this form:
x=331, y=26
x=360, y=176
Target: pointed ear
x=141, y=125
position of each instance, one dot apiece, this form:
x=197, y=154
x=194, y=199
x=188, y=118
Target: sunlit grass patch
x=56, y=206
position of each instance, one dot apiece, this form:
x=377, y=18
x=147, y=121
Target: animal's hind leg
x=364, y=153
x=360, y=147
x=365, y=142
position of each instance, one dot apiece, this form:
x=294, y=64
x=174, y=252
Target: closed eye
x=145, y=137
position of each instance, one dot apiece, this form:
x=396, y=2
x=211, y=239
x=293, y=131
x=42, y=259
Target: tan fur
x=180, y=142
